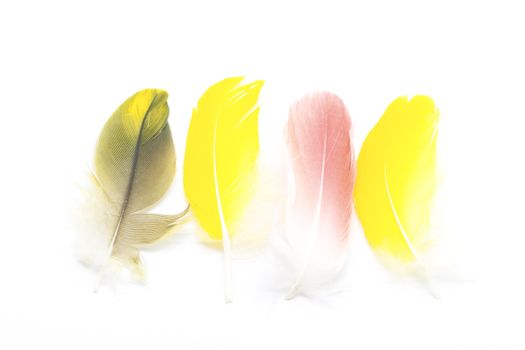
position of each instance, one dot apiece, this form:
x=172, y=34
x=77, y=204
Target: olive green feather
x=134, y=167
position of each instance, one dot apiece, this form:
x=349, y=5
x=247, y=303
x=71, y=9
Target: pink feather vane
x=320, y=185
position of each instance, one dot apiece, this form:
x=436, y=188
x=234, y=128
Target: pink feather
x=320, y=189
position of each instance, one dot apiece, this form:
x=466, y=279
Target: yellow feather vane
x=133, y=168
x=396, y=178
x=220, y=162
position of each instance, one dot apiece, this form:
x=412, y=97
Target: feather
x=396, y=178
x=220, y=162
x=320, y=189
x=134, y=166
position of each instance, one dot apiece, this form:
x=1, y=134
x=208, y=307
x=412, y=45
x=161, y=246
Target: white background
x=64, y=68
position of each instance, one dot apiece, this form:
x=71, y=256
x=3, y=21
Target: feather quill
x=396, y=179
x=220, y=162
x=320, y=189
x=134, y=166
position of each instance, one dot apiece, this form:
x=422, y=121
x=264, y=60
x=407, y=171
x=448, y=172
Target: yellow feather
x=396, y=178
x=221, y=152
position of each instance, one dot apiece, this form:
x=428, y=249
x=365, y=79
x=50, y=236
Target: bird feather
x=396, y=178
x=134, y=166
x=322, y=179
x=220, y=162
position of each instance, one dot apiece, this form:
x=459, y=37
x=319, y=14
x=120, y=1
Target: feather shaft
x=315, y=229
x=226, y=244
x=129, y=188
